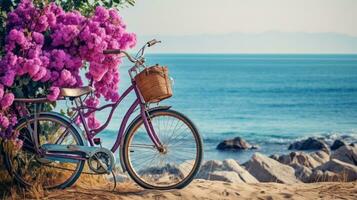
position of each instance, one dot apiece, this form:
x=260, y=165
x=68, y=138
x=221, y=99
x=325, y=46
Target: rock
x=208, y=167
x=274, y=156
x=244, y=175
x=346, y=154
x=185, y=166
x=302, y=173
x=345, y=170
x=225, y=176
x=326, y=176
x=309, y=144
x=266, y=169
x=299, y=158
x=235, y=144
x=310, y=160
x=320, y=156
x=337, y=144
x=211, y=167
x=168, y=169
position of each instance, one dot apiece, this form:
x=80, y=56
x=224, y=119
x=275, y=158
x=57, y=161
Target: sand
x=215, y=190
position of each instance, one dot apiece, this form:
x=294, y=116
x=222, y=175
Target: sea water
x=269, y=100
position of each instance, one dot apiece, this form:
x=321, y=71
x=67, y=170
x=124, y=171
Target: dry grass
x=86, y=183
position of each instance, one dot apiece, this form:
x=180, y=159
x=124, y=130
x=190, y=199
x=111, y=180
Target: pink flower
x=40, y=74
x=93, y=123
x=7, y=100
x=97, y=71
x=92, y=102
x=17, y=36
x=72, y=41
x=53, y=96
x=1, y=91
x=101, y=13
x=38, y=38
x=8, y=79
x=4, y=122
x=65, y=75
x=13, y=121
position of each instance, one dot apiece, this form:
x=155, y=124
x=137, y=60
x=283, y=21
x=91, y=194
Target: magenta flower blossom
x=74, y=40
x=1, y=91
x=7, y=100
x=4, y=122
x=53, y=96
x=65, y=75
x=38, y=38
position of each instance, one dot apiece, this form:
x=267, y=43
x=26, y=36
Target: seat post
x=78, y=101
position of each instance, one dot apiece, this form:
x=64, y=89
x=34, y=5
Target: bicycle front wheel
x=172, y=167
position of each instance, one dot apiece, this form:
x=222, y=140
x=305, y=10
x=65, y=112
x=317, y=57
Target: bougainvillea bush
x=44, y=49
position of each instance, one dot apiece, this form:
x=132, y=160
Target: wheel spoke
x=175, y=163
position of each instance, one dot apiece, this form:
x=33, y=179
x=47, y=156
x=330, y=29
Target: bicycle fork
x=149, y=128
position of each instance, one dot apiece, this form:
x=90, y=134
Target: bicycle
x=160, y=149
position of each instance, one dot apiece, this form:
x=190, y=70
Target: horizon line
x=258, y=53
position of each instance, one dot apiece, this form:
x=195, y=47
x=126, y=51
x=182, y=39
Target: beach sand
x=215, y=190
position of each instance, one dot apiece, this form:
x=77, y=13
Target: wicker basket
x=154, y=84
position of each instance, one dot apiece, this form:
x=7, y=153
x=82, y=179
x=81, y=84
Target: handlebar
x=138, y=56
x=118, y=51
x=112, y=51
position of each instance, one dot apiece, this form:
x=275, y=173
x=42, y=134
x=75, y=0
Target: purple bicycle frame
x=138, y=102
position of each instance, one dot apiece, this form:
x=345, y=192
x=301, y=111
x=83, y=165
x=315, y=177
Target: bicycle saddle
x=76, y=92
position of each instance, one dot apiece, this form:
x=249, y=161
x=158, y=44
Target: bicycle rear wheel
x=172, y=168
x=29, y=168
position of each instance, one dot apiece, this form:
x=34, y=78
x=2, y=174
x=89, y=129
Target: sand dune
x=215, y=190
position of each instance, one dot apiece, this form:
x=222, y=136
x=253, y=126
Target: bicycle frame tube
x=143, y=112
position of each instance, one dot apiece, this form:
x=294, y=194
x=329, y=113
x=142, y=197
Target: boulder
x=171, y=170
x=346, y=154
x=216, y=170
x=266, y=169
x=235, y=144
x=274, y=156
x=337, y=144
x=324, y=176
x=345, y=170
x=309, y=144
x=244, y=175
x=225, y=176
x=302, y=173
x=208, y=167
x=300, y=158
x=320, y=156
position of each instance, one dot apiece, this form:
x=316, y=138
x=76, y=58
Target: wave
x=275, y=90
x=275, y=139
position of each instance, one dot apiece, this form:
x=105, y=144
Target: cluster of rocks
x=319, y=166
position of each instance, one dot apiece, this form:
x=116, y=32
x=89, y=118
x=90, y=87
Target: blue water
x=269, y=100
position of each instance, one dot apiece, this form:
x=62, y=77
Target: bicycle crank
x=100, y=160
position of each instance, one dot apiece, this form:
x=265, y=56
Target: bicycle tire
x=125, y=157
x=77, y=136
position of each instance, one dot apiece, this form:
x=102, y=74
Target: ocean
x=269, y=100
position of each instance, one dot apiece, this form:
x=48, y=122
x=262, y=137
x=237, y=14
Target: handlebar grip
x=152, y=42
x=112, y=51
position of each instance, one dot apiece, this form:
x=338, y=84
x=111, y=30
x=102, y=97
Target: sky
x=219, y=19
